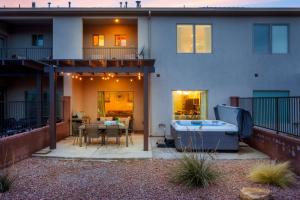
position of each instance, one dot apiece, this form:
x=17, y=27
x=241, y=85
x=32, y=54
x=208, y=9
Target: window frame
x=270, y=42
x=120, y=46
x=211, y=42
x=97, y=34
x=37, y=36
x=185, y=24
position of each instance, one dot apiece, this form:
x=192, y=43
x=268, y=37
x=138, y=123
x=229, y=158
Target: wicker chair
x=113, y=131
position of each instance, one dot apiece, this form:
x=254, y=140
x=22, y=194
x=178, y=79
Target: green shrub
x=5, y=182
x=193, y=170
x=273, y=174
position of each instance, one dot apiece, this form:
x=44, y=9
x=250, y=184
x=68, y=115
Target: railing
x=20, y=116
x=281, y=114
x=26, y=53
x=110, y=53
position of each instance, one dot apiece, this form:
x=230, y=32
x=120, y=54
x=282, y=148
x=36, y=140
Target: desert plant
x=274, y=174
x=194, y=170
x=6, y=180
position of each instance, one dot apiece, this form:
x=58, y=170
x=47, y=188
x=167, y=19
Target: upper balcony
x=110, y=38
x=26, y=39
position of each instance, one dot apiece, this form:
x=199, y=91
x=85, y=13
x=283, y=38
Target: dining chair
x=75, y=131
x=113, y=131
x=92, y=132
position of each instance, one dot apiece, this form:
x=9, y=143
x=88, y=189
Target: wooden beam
x=146, y=109
x=52, y=106
x=38, y=87
x=89, y=69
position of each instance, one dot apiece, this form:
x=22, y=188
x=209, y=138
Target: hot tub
x=201, y=135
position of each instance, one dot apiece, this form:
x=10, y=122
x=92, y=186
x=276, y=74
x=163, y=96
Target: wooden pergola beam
x=52, y=107
x=89, y=69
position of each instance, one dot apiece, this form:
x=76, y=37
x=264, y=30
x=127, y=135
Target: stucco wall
x=20, y=36
x=109, y=31
x=85, y=96
x=228, y=71
x=67, y=37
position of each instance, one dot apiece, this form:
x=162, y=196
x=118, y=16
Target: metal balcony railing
x=110, y=53
x=26, y=53
x=281, y=114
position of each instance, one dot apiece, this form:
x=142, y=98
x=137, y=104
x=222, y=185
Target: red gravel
x=142, y=179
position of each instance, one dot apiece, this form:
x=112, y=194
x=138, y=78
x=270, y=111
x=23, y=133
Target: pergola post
x=146, y=109
x=52, y=107
x=38, y=87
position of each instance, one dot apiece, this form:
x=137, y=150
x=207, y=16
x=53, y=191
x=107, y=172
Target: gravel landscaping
x=137, y=179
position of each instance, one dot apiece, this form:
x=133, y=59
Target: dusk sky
x=152, y=3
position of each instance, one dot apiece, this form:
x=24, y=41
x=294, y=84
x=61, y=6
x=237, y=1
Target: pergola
x=55, y=66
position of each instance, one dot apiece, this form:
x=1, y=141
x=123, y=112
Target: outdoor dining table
x=102, y=127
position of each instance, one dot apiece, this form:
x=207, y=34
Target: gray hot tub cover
x=237, y=116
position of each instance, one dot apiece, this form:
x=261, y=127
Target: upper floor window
x=203, y=38
x=194, y=38
x=185, y=39
x=98, y=40
x=120, y=40
x=37, y=40
x=271, y=39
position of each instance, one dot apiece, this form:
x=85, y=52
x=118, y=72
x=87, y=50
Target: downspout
x=149, y=34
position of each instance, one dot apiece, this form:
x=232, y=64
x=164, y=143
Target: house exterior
x=199, y=57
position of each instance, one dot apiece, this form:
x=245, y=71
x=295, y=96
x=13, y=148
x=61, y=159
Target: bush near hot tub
x=194, y=170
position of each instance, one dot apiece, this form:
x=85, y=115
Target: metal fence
x=21, y=116
x=110, y=53
x=281, y=114
x=26, y=53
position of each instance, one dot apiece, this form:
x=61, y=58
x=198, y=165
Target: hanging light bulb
x=73, y=76
x=131, y=80
x=68, y=74
x=80, y=78
x=117, y=80
x=91, y=78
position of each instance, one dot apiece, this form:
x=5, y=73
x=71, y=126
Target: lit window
x=37, y=40
x=270, y=39
x=203, y=38
x=120, y=40
x=98, y=40
x=185, y=39
x=280, y=39
x=189, y=105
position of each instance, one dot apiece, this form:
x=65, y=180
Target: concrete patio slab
x=112, y=151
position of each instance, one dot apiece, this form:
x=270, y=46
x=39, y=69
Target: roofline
x=144, y=11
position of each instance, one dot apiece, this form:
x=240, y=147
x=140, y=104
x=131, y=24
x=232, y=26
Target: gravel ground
x=142, y=179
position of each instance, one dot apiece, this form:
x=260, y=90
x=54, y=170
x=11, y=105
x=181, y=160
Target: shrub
x=193, y=170
x=5, y=182
x=274, y=174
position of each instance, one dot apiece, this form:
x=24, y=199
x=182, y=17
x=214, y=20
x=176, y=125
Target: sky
x=156, y=3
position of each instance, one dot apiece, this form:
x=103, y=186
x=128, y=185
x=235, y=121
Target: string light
x=139, y=76
x=117, y=80
x=80, y=78
x=73, y=76
x=131, y=80
x=91, y=78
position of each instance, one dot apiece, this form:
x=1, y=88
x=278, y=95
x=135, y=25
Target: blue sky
x=151, y=3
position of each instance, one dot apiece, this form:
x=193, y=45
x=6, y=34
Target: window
x=98, y=40
x=203, y=38
x=115, y=104
x=261, y=38
x=189, y=105
x=185, y=39
x=270, y=39
x=37, y=40
x=280, y=39
x=120, y=40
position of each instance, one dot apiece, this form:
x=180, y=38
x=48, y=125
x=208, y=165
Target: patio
x=66, y=150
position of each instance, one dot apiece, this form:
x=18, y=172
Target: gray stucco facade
x=228, y=71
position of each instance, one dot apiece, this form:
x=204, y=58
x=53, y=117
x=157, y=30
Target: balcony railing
x=26, y=53
x=20, y=116
x=110, y=53
x=281, y=114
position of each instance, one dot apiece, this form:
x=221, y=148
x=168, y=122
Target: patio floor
x=66, y=150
